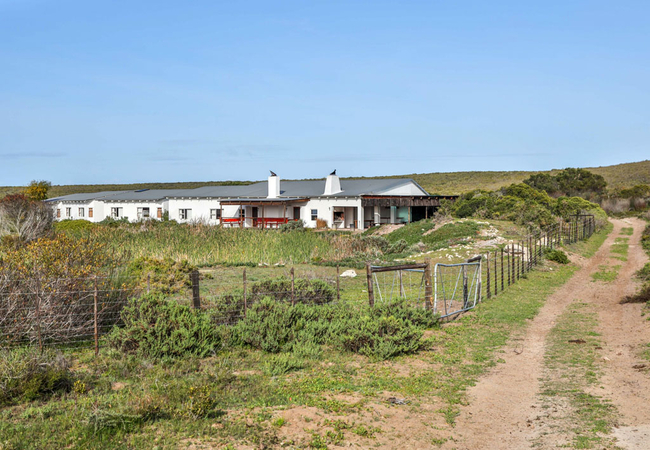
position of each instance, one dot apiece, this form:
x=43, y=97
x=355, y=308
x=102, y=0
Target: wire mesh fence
x=56, y=311
x=79, y=311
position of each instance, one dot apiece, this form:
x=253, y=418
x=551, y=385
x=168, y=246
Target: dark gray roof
x=288, y=189
x=306, y=188
x=85, y=197
x=148, y=194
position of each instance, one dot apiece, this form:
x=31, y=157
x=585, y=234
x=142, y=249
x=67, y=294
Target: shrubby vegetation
x=27, y=374
x=159, y=328
x=23, y=220
x=161, y=275
x=523, y=205
x=568, y=182
x=58, y=275
x=556, y=255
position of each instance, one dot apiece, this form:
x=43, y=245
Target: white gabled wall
x=406, y=189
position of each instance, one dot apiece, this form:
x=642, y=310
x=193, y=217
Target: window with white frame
x=215, y=214
x=314, y=214
x=81, y=212
x=116, y=213
x=68, y=212
x=143, y=213
x=185, y=214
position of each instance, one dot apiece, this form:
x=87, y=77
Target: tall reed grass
x=203, y=245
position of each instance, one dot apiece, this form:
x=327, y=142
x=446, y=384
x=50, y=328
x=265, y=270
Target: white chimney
x=274, y=186
x=332, y=184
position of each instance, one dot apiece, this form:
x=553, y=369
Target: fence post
x=38, y=312
x=196, y=298
x=428, y=286
x=338, y=287
x=514, y=264
x=95, y=318
x=148, y=283
x=508, y=257
x=371, y=294
x=496, y=273
x=245, y=292
x=502, y=284
x=487, y=263
x=293, y=285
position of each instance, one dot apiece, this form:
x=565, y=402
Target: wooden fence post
x=371, y=294
x=38, y=312
x=95, y=317
x=245, y=292
x=508, y=257
x=196, y=298
x=496, y=273
x=428, y=286
x=502, y=284
x=514, y=264
x=487, y=264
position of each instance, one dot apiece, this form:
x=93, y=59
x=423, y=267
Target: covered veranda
x=380, y=210
x=262, y=212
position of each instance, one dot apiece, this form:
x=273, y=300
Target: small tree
x=25, y=219
x=37, y=190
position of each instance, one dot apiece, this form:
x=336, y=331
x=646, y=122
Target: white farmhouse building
x=347, y=203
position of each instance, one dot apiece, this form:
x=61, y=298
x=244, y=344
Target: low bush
x=402, y=310
x=380, y=332
x=379, y=337
x=158, y=328
x=296, y=225
x=167, y=276
x=230, y=307
x=73, y=225
x=26, y=374
x=278, y=326
x=557, y=256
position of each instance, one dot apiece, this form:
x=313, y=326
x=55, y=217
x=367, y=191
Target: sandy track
x=505, y=402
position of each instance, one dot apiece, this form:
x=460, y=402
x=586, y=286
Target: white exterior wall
x=200, y=209
x=130, y=208
x=74, y=210
x=407, y=189
x=325, y=207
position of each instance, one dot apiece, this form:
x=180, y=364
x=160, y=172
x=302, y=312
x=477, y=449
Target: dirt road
x=505, y=406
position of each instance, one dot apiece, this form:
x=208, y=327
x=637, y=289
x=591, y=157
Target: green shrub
x=401, y=310
x=167, y=276
x=158, y=328
x=296, y=225
x=278, y=326
x=26, y=374
x=230, y=307
x=379, y=337
x=557, y=256
x=73, y=225
x=398, y=247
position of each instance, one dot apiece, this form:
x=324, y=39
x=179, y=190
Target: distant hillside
x=443, y=183
x=448, y=183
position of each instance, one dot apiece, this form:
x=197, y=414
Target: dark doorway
x=296, y=213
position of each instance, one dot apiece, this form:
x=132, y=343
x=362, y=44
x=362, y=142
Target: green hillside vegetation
x=618, y=176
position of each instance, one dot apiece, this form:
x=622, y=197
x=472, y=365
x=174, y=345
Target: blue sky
x=136, y=91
